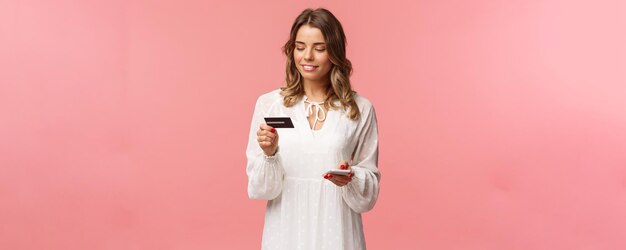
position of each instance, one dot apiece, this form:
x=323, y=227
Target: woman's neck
x=315, y=91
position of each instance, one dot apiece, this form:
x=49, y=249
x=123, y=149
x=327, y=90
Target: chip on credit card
x=279, y=122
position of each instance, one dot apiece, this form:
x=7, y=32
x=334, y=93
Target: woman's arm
x=265, y=173
x=362, y=192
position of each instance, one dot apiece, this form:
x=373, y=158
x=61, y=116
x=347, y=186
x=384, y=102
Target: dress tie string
x=318, y=107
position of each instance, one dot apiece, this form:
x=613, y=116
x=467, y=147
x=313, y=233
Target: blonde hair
x=339, y=88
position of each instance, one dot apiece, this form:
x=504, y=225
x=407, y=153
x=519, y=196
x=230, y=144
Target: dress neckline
x=320, y=113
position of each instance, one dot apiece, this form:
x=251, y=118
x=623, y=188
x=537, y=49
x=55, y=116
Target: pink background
x=123, y=124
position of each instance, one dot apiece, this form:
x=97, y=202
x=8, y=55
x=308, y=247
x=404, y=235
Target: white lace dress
x=304, y=210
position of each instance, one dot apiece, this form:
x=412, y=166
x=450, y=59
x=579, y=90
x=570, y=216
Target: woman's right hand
x=267, y=137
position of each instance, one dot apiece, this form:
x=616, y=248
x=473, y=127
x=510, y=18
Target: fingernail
x=330, y=176
x=343, y=166
x=326, y=176
x=273, y=130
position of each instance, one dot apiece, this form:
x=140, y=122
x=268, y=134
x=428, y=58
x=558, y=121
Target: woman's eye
x=320, y=49
x=300, y=49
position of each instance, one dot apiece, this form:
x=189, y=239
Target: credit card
x=279, y=122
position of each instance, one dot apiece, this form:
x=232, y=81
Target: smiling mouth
x=309, y=67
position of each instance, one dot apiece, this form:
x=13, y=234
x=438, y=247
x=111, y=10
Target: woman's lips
x=309, y=68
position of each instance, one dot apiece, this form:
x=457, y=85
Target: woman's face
x=310, y=54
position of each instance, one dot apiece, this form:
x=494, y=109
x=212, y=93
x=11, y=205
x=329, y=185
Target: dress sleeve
x=362, y=192
x=265, y=173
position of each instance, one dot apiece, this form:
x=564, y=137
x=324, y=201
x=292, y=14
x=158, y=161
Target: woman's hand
x=267, y=137
x=340, y=180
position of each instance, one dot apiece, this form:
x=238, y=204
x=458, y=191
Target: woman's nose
x=308, y=55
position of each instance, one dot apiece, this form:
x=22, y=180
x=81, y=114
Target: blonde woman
x=334, y=128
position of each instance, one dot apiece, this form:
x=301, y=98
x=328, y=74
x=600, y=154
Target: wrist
x=272, y=155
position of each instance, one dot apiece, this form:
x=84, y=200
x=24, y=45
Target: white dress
x=304, y=210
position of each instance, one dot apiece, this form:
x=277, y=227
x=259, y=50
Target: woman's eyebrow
x=318, y=43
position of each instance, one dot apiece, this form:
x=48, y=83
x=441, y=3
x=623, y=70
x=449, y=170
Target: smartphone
x=340, y=171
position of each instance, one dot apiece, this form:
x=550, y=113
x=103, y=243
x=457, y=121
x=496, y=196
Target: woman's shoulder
x=364, y=104
x=270, y=97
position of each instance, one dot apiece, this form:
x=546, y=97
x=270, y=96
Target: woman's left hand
x=340, y=180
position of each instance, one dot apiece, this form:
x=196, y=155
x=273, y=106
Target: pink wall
x=124, y=124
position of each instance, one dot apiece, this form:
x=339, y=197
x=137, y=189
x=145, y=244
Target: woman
x=334, y=128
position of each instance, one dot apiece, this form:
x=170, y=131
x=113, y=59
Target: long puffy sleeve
x=362, y=192
x=265, y=173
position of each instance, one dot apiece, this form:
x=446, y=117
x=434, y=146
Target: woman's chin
x=310, y=76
